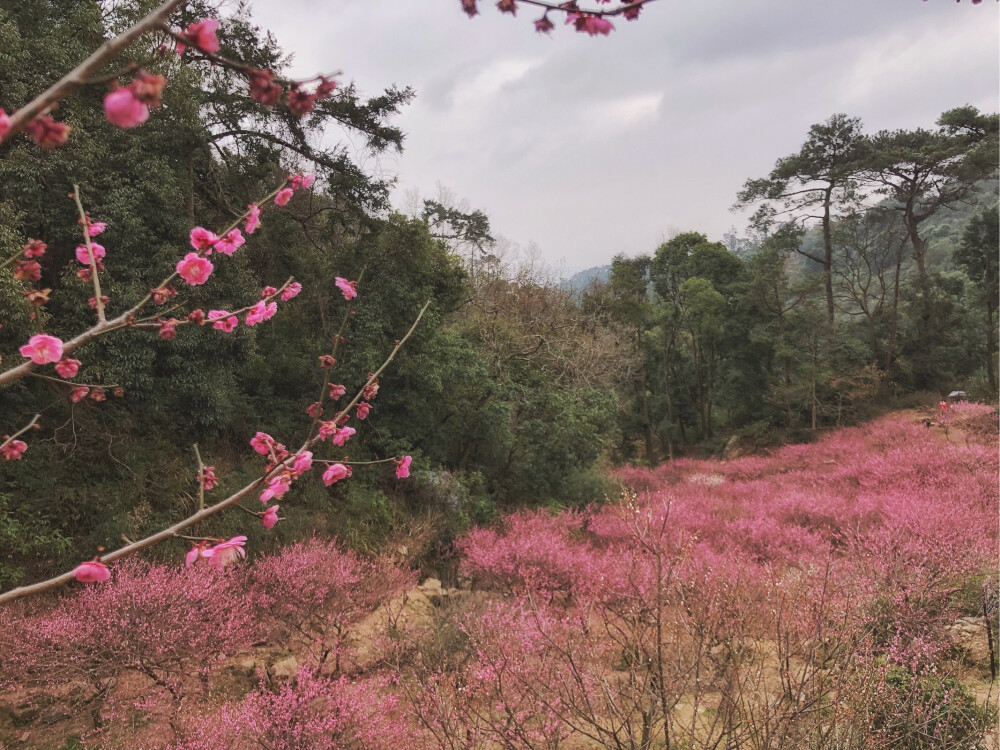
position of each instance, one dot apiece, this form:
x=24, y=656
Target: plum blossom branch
x=357, y=463
x=9, y=440
x=73, y=383
x=590, y=20
x=572, y=7
x=201, y=478
x=127, y=318
x=203, y=513
x=225, y=62
x=80, y=76
x=155, y=321
x=85, y=223
x=324, y=389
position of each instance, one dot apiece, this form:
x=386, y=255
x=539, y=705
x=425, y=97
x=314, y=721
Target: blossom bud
x=148, y=88
x=34, y=249
x=168, y=329
x=300, y=102
x=48, y=133
x=37, y=297
x=27, y=270
x=162, y=293
x=263, y=89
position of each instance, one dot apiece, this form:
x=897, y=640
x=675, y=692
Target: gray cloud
x=589, y=147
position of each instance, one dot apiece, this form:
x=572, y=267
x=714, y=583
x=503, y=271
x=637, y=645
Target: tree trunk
x=890, y=354
x=990, y=344
x=919, y=247
x=828, y=254
x=812, y=385
x=670, y=401
x=647, y=427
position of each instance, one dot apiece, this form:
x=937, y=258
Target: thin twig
x=90, y=253
x=201, y=478
x=12, y=438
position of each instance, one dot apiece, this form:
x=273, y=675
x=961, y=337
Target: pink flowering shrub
x=501, y=696
x=317, y=591
x=163, y=626
x=315, y=712
x=759, y=588
x=533, y=550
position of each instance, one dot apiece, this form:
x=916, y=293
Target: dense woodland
x=868, y=278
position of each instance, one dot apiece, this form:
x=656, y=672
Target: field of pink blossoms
x=831, y=595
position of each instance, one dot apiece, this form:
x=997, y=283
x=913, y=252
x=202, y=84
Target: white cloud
x=609, y=117
x=483, y=87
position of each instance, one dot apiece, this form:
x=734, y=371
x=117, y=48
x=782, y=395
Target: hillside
x=851, y=573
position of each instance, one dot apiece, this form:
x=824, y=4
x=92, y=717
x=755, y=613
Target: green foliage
x=920, y=712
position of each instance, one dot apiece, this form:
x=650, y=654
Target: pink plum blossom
x=276, y=487
x=203, y=239
x=263, y=89
x=335, y=472
x=193, y=554
x=253, y=219
x=283, y=196
x=327, y=429
x=28, y=270
x=270, y=309
x=231, y=242
x=42, y=349
x=34, y=249
x=84, y=257
x=13, y=450
x=226, y=553
x=363, y=409
x=403, y=467
x=92, y=572
x=48, y=133
x=123, y=109
x=262, y=443
x=337, y=390
x=342, y=436
x=67, y=367
x=201, y=35
x=255, y=314
x=95, y=228
x=303, y=462
x=195, y=270
x=79, y=393
x=347, y=288
x=268, y=291
x=590, y=24
x=206, y=477
x=224, y=321
x=270, y=517
x=292, y=290
x=168, y=329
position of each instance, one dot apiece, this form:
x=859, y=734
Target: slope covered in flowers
x=807, y=599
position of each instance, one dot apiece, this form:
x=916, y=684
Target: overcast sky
x=588, y=147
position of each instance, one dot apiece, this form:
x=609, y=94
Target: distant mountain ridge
x=580, y=281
